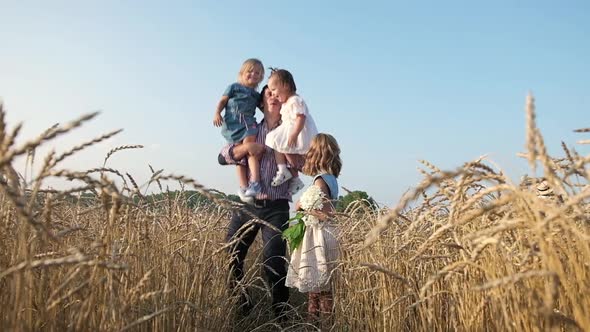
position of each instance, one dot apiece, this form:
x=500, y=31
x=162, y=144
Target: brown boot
x=313, y=308
x=326, y=310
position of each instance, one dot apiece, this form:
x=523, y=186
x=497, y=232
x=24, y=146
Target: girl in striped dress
x=313, y=262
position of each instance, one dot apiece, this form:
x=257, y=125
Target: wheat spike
x=531, y=145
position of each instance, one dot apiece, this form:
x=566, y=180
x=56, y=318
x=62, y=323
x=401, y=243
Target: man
x=270, y=205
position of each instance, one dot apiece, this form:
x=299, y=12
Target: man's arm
x=247, y=149
x=233, y=154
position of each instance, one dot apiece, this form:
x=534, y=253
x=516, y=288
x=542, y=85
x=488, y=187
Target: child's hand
x=292, y=141
x=217, y=120
x=319, y=215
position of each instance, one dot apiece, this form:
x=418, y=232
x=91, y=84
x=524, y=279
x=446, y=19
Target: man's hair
x=323, y=156
x=261, y=101
x=249, y=64
x=284, y=77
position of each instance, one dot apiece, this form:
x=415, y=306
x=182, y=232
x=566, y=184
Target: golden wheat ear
x=155, y=175
x=120, y=148
x=2, y=123
x=8, y=152
x=531, y=129
x=85, y=145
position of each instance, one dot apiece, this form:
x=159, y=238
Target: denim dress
x=238, y=119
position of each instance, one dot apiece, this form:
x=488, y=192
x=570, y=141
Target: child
x=238, y=124
x=313, y=262
x=291, y=139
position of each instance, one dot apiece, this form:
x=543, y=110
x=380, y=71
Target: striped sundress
x=314, y=261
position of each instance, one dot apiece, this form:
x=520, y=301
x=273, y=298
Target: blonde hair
x=249, y=64
x=323, y=156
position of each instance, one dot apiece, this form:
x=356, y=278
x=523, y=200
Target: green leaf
x=294, y=234
x=297, y=217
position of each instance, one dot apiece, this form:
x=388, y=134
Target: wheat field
x=466, y=250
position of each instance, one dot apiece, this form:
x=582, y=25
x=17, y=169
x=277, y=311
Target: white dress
x=313, y=263
x=278, y=138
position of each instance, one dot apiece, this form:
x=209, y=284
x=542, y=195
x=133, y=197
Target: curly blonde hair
x=323, y=156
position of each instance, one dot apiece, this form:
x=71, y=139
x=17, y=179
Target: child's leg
x=296, y=184
x=254, y=187
x=242, y=175
x=280, y=158
x=253, y=161
x=313, y=305
x=326, y=309
x=242, y=172
x=295, y=161
x=283, y=173
x=326, y=301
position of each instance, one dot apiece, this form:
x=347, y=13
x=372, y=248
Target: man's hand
x=217, y=120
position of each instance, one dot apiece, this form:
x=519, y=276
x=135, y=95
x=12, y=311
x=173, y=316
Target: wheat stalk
x=531, y=131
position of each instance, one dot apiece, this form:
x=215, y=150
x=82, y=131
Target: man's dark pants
x=275, y=213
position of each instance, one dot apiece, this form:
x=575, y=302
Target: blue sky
x=393, y=81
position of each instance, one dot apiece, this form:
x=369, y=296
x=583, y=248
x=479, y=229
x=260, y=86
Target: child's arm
x=217, y=119
x=297, y=128
x=298, y=206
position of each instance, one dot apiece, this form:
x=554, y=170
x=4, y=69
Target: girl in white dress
x=313, y=262
x=292, y=138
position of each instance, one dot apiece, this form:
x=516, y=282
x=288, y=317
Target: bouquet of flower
x=311, y=199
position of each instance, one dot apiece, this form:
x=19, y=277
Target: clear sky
x=393, y=81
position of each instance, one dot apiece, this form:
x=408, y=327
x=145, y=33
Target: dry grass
x=466, y=250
